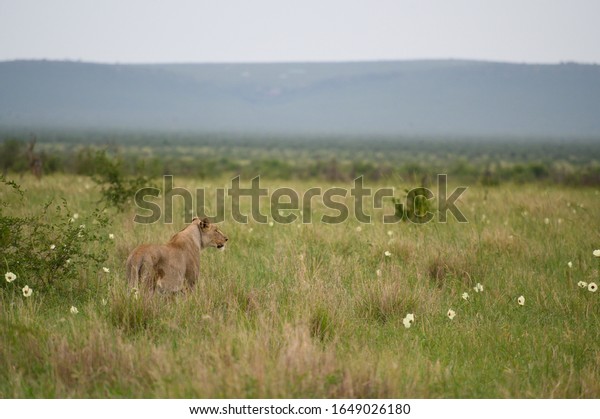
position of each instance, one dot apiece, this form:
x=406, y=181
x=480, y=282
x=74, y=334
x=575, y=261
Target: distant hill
x=444, y=97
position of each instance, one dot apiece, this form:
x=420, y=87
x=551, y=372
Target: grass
x=299, y=311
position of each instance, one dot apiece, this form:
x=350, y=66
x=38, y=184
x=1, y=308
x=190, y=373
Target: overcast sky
x=136, y=31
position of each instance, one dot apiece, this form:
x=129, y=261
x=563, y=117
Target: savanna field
x=499, y=304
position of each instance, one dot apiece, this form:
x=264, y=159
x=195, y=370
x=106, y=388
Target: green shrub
x=117, y=190
x=49, y=245
x=416, y=206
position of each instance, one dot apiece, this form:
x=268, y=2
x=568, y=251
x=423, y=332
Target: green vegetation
x=415, y=160
x=317, y=310
x=46, y=247
x=116, y=187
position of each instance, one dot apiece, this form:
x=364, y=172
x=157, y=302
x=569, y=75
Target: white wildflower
x=570, y=264
x=596, y=253
x=27, y=291
x=10, y=277
x=451, y=314
x=478, y=287
x=378, y=272
x=521, y=300
x=106, y=270
x=387, y=253
x=465, y=296
x=582, y=284
x=592, y=287
x=74, y=310
x=52, y=247
x=408, y=320
x=111, y=236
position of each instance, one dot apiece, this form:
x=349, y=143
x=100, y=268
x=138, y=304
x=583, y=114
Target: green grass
x=290, y=311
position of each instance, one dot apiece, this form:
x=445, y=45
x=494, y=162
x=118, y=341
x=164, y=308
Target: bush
x=416, y=207
x=42, y=251
x=117, y=190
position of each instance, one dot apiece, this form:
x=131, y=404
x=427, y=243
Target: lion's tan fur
x=173, y=266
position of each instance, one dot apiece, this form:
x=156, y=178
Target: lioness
x=171, y=267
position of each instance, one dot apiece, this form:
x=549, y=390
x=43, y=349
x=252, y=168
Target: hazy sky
x=133, y=31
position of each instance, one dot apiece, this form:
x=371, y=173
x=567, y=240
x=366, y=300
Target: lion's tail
x=133, y=268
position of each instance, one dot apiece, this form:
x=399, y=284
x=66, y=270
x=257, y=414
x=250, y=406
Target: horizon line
x=259, y=62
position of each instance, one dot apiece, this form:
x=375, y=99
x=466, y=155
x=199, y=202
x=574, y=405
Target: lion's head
x=210, y=235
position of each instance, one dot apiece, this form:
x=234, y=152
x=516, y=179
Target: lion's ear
x=204, y=223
